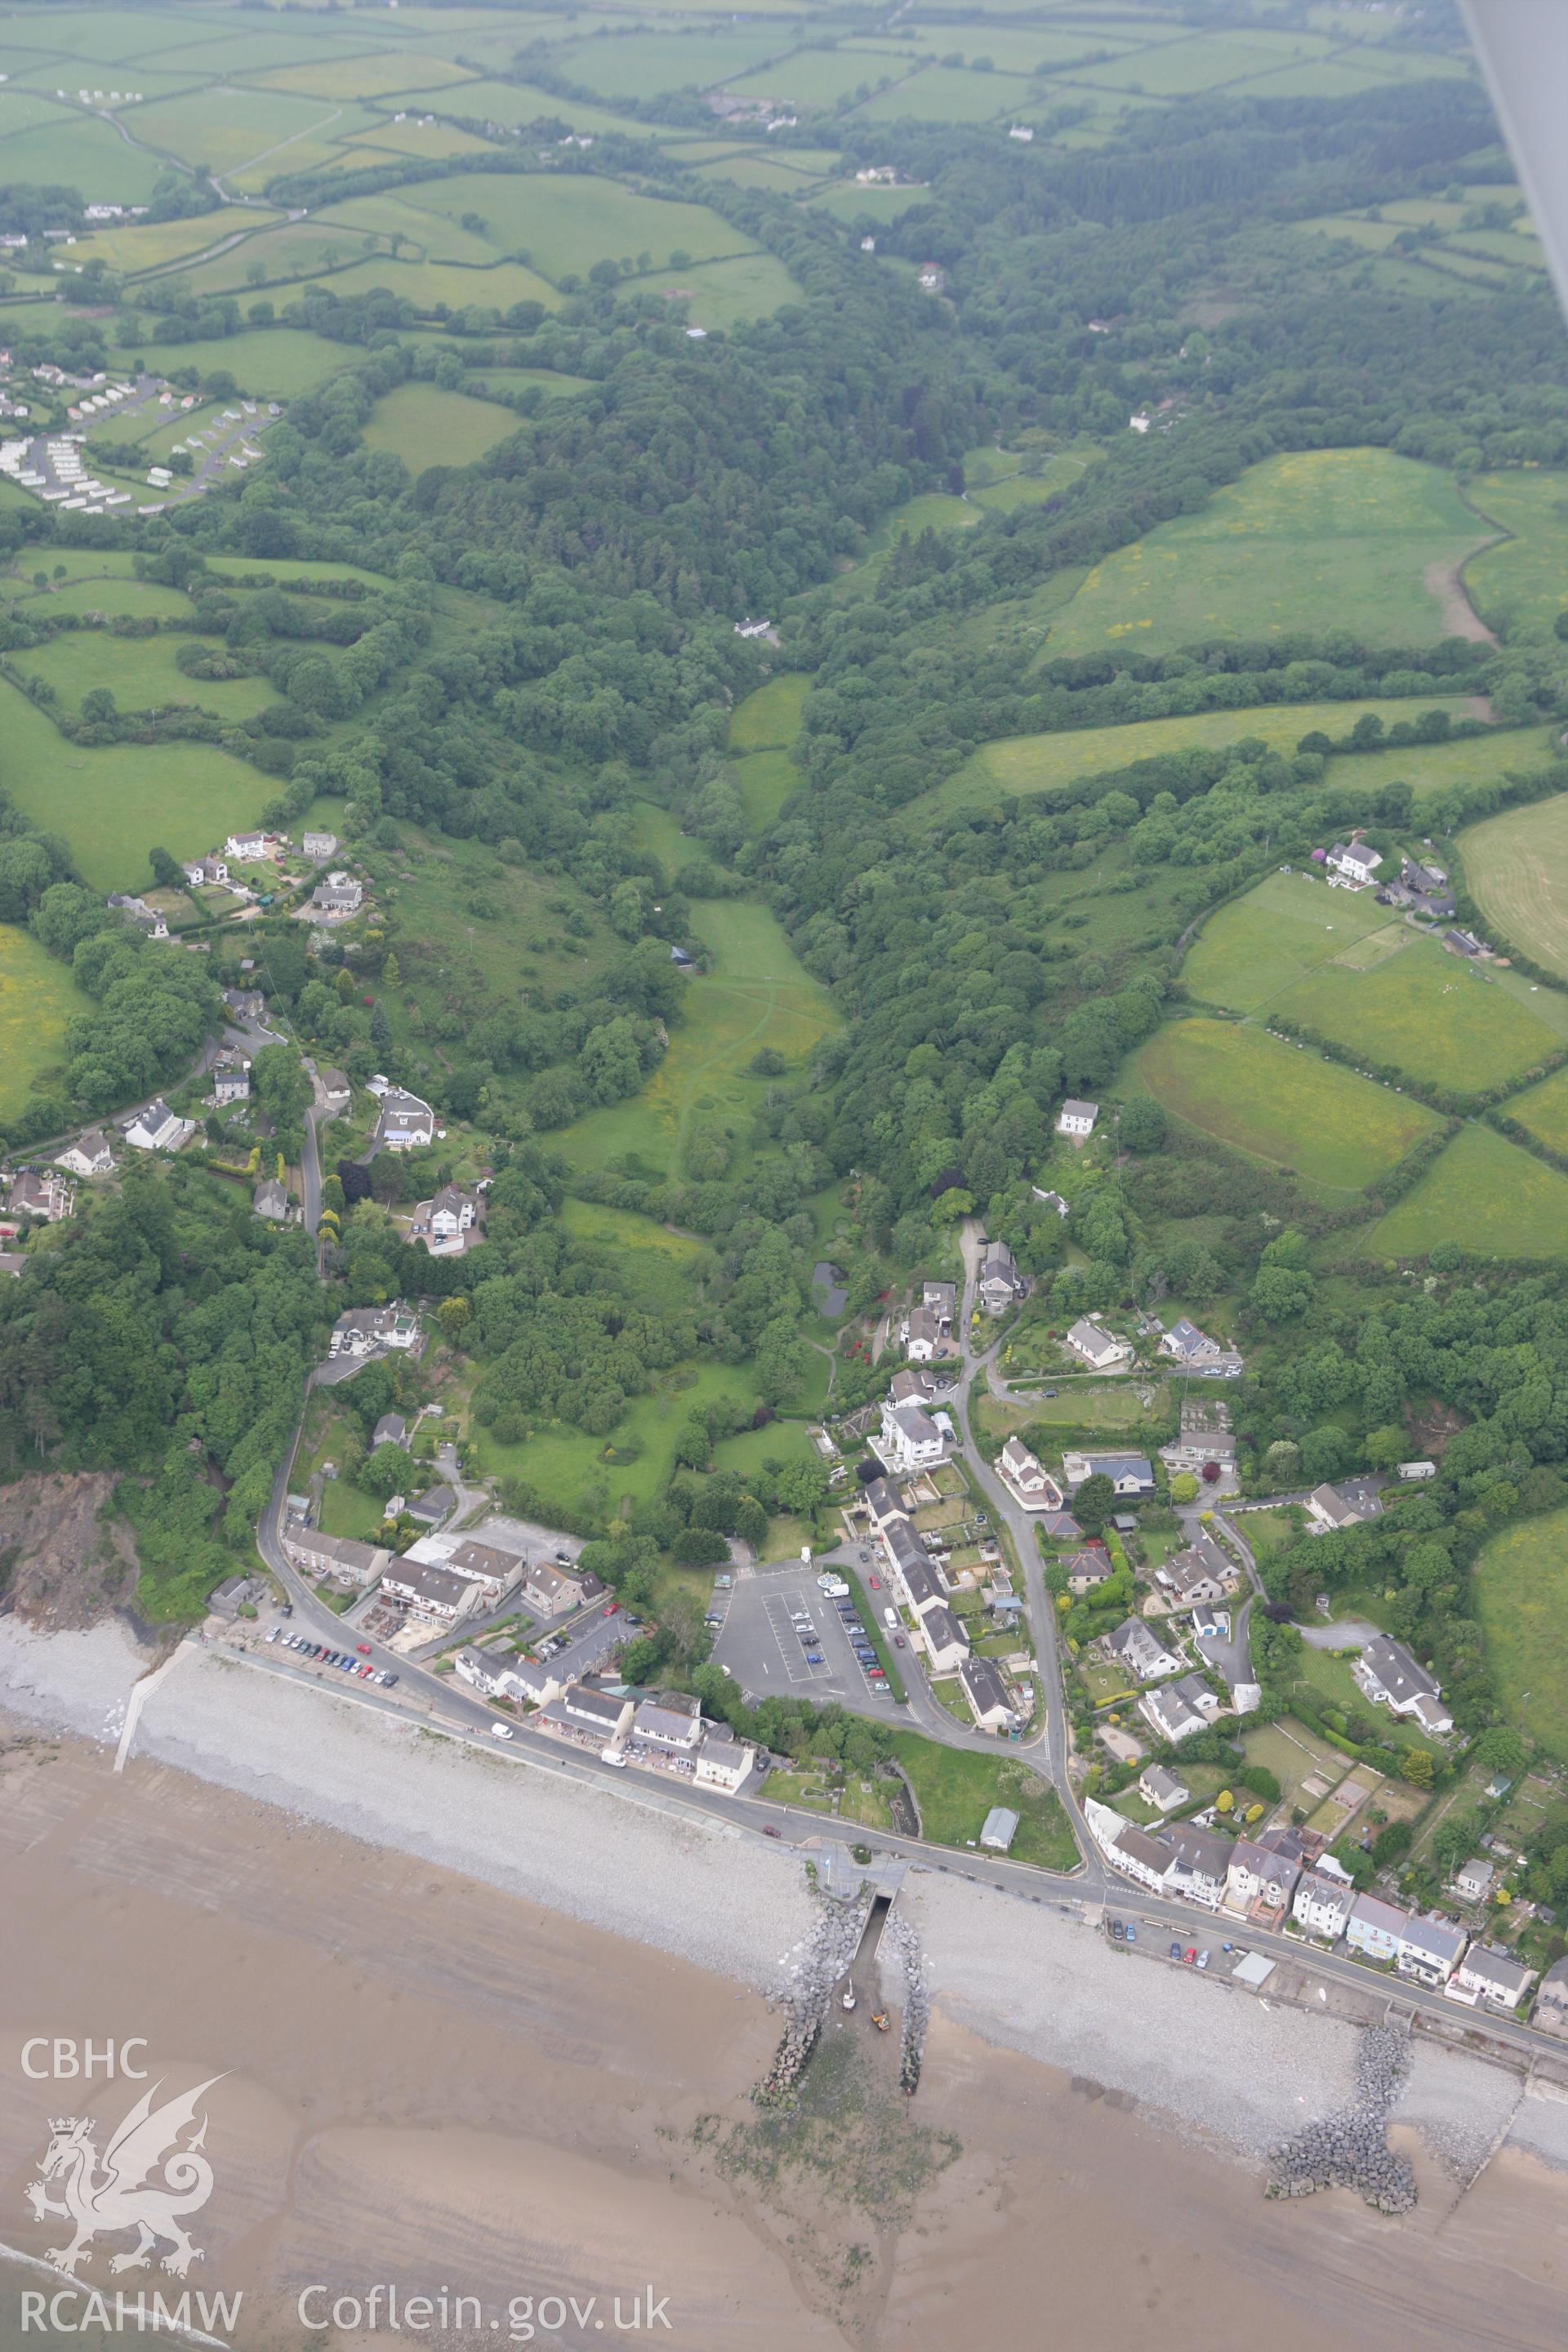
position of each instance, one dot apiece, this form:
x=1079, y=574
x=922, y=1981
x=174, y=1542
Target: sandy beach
x=522, y=2068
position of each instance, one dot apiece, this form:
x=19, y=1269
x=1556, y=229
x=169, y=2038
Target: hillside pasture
x=433, y=141
x=78, y=151
x=139, y=672
x=226, y=129
x=267, y=362
x=1286, y=1107
x=1024, y=764
x=1254, y=947
x=112, y=803
x=1521, y=1600
x=769, y=718
x=1445, y=1021
x=721, y=294
x=1525, y=578
x=1485, y=1193
x=572, y=1471
x=652, y=1265
x=617, y=64
x=764, y=780
x=1517, y=869
x=877, y=207
x=1303, y=543
x=1543, y=1109
x=948, y=94
x=425, y=426
x=566, y=222
x=428, y=284
x=1429, y=768
x=757, y=994
x=381, y=75
x=37, y=998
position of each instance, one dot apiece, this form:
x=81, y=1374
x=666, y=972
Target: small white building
x=156, y=1129
x=724, y=1760
x=1100, y=1350
x=248, y=845
x=1352, y=865
x=1489, y=1979
x=90, y=1155
x=1077, y=1118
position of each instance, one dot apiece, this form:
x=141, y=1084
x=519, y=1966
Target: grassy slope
x=38, y=998
x=1521, y=1594
x=1517, y=869
x=1488, y=1195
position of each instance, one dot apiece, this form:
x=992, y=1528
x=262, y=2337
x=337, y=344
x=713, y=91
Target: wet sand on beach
x=431, y=2082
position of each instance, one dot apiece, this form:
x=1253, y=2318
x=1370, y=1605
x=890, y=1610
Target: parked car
x=1175, y=1951
x=1190, y=1955
x=500, y=1732
x=876, y=1584
x=1132, y=1933
x=273, y=1632
x=389, y=1680
x=1117, y=1930
x=610, y=1609
x=769, y=1831
x=900, y=1642
x=1203, y=1959
x=814, y=1658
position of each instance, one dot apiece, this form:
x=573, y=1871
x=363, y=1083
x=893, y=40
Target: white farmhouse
x=1077, y=1118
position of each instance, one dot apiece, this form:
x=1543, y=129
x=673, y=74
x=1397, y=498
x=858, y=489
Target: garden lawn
x=38, y=998
x=1253, y=949
x=757, y=994
x=570, y=1470
x=780, y=1440
x=425, y=426
x=1021, y=764
x=114, y=805
x=348, y=1510
x=1289, y=1108
x=1440, y=1018
x=1485, y=1193
x=1295, y=1755
x=1522, y=1598
x=955, y=1787
x=1313, y=540
x=1516, y=865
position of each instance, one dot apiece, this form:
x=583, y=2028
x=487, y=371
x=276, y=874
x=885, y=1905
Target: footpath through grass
x=955, y=1787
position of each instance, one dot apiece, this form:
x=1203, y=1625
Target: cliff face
x=64, y=1563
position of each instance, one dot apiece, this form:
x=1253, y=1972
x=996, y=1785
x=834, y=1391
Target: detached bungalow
x=1100, y=1350
x=1135, y=1645
x=1391, y=1677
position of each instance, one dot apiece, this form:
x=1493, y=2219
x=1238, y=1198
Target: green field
x=651, y=1265
x=644, y=65
x=1434, y=767
x=1543, y=1109
x=430, y=285
x=227, y=128
x=877, y=207
x=1488, y=1195
x=1040, y=764
x=1525, y=578
x=139, y=672
x=1445, y=1021
x=757, y=994
x=565, y=225
x=573, y=1471
x=780, y=1440
x=1252, y=950
x=948, y=94
x=769, y=718
x=1177, y=68
x=1522, y=1599
x=1289, y=1108
x=378, y=75
x=1517, y=869
x=267, y=362
x=955, y=1787
x=78, y=151
x=1317, y=539
x=764, y=780
x=114, y=805
x=724, y=294
x=38, y=998
x=425, y=426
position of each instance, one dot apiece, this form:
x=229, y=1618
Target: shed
x=1001, y=1828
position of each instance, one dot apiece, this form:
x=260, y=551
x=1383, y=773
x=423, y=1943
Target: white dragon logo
x=122, y=2193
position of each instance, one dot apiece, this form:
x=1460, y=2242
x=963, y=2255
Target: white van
x=891, y=1619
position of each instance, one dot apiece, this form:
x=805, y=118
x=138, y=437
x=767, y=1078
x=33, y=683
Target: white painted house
x=1100, y=1350
x=1352, y=865
x=1391, y=1677
x=1077, y=1118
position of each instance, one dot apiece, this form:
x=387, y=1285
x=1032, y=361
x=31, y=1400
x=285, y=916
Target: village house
x=1352, y=864
x=941, y=1299
x=919, y=1581
x=1262, y=1874
x=593, y=1718
x=1431, y=1950
x=915, y=1384
x=231, y=1080
x=1000, y=1284
x=200, y=870
x=428, y=1510
x=945, y=1641
x=343, y=1556
x=1198, y=1575
x=1376, y=1928
x=245, y=1003
x=987, y=1694
x=1322, y=1904
x=486, y=1671
x=1475, y=1882
x=370, y=1330
x=1550, y=2010
x=335, y=1089
x=431, y=1594
x=883, y=1504
x=1390, y=1676
x=442, y=1222
x=136, y=910
x=1196, y=1447
x=910, y=1439
x=390, y=1430
x=90, y=1155
x=1199, y=1862
x=249, y=845
x=319, y=846
x=1328, y=1510
x=1100, y=1350
x=1490, y=1980
x=1139, y=1854
x=1061, y=1526
x=922, y=1335
x=547, y=1591
x=1131, y=1475
x=671, y=1723
x=156, y=1129
x=406, y=1124
x=1135, y=1645
x=1077, y=1118
x=1180, y=1710
x=42, y=1195
x=1086, y=1571
x=1163, y=1789
x=495, y=1572
x=339, y=895
x=724, y=1758
x=1025, y=1479
x=1195, y=1351
x=271, y=1200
